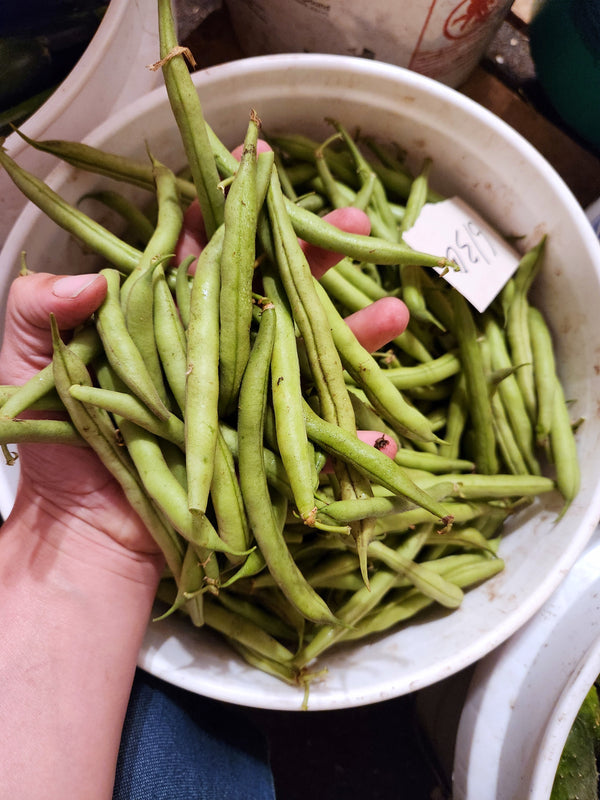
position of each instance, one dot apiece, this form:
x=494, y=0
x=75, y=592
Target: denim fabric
x=179, y=746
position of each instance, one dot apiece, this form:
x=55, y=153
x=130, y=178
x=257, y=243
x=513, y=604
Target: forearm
x=73, y=610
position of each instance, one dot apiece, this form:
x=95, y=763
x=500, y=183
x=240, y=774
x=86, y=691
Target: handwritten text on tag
x=451, y=228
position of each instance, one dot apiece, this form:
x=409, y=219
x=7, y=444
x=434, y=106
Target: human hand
x=65, y=483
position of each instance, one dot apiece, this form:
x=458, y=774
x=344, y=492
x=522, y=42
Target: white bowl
x=110, y=74
x=478, y=157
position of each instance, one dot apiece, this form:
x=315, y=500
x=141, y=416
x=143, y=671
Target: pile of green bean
x=227, y=403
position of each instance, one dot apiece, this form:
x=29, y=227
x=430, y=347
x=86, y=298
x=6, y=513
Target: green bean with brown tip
x=85, y=344
x=188, y=114
x=121, y=350
x=132, y=408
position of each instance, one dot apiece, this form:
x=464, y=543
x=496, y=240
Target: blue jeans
x=180, y=746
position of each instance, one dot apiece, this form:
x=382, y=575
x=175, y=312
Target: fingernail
x=72, y=285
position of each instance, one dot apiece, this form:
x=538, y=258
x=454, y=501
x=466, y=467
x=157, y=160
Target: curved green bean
x=97, y=238
x=370, y=461
x=120, y=349
x=187, y=111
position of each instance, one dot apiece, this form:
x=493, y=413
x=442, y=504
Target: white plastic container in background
x=110, y=74
x=499, y=729
x=443, y=39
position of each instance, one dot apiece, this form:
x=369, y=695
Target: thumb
x=27, y=343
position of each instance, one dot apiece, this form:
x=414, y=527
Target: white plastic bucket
x=443, y=39
x=110, y=74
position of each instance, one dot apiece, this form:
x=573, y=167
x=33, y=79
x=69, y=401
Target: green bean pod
x=243, y=630
x=202, y=383
x=424, y=579
x=96, y=237
x=364, y=369
x=237, y=272
x=227, y=502
x=517, y=328
x=480, y=408
x=39, y=431
x=170, y=337
x=187, y=110
x=544, y=373
x=183, y=289
x=127, y=405
x=138, y=312
x=50, y=401
x=508, y=448
x=97, y=429
x=166, y=232
x=331, y=187
x=564, y=449
x=85, y=344
x=121, y=350
x=286, y=394
x=434, y=371
x=370, y=461
x=432, y=462
x=474, y=486
x=510, y=393
x=100, y=162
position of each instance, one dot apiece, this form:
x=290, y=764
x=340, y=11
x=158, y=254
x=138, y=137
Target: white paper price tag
x=451, y=228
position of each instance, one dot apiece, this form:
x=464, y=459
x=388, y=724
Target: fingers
x=193, y=235
x=261, y=147
x=377, y=324
x=192, y=238
x=27, y=343
x=385, y=444
x=351, y=220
